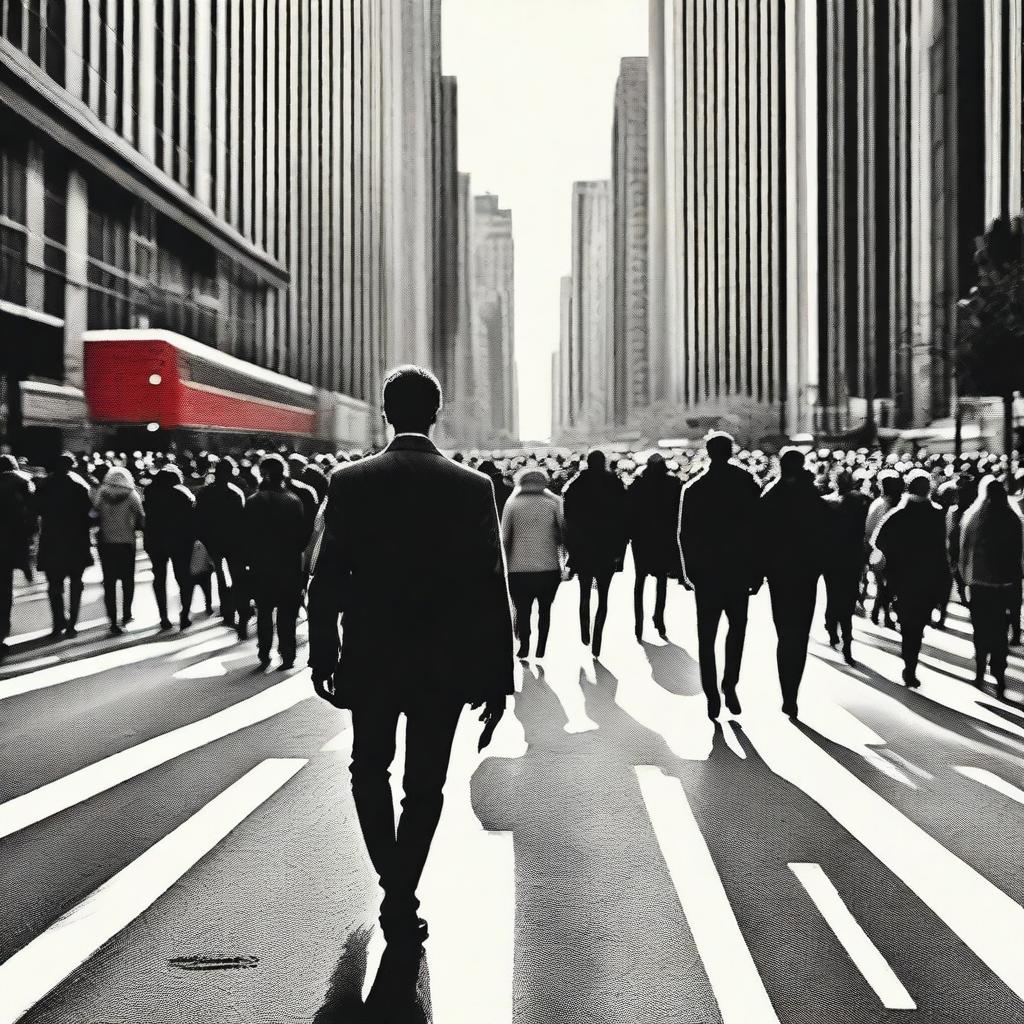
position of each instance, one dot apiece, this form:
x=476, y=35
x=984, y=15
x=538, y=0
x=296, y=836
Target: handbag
x=200, y=563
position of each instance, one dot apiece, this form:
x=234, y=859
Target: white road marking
x=94, y=665
x=217, y=643
x=993, y=781
x=87, y=782
x=983, y=916
x=908, y=765
x=738, y=987
x=862, y=951
x=47, y=960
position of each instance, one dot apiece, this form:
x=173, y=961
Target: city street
x=179, y=842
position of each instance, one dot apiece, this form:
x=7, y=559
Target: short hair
x=412, y=397
x=273, y=467
x=596, y=459
x=919, y=483
x=791, y=461
x=225, y=468
x=719, y=445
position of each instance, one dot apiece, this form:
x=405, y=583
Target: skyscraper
x=563, y=390
x=631, y=388
x=494, y=302
x=253, y=176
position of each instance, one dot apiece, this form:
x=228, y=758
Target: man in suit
x=718, y=541
x=412, y=561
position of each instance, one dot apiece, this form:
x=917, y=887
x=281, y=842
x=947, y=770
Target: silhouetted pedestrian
x=65, y=540
x=531, y=531
x=891, y=485
x=846, y=561
x=991, y=564
x=912, y=538
x=794, y=531
x=17, y=527
x=276, y=534
x=718, y=538
x=220, y=526
x=502, y=491
x=652, y=504
x=169, y=538
x=595, y=537
x=120, y=514
x=966, y=493
x=412, y=560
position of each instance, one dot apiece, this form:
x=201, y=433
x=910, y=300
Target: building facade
x=494, y=322
x=631, y=360
x=563, y=391
x=223, y=168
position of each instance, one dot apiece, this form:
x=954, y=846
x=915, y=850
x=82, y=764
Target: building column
x=145, y=55
x=35, y=206
x=203, y=92
x=76, y=293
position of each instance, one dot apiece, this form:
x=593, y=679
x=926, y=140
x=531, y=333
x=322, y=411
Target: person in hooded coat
x=120, y=515
x=991, y=564
x=596, y=535
x=65, y=540
x=532, y=529
x=170, y=536
x=652, y=503
x=794, y=531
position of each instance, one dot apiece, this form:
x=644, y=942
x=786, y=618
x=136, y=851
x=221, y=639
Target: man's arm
x=327, y=590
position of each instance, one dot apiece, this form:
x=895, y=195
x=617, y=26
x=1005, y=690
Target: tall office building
x=446, y=235
x=563, y=392
x=247, y=174
x=919, y=108
x=494, y=312
x=725, y=333
x=591, y=400
x=631, y=387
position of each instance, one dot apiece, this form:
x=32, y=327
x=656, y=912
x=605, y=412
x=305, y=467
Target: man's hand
x=490, y=716
x=323, y=685
x=685, y=583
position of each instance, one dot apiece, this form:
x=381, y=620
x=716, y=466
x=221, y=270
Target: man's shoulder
x=379, y=467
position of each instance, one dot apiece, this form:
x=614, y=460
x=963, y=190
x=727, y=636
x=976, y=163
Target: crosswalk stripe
x=992, y=781
x=862, y=951
x=47, y=960
x=96, y=778
x=738, y=987
x=983, y=916
x=96, y=664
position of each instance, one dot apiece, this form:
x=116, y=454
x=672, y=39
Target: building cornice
x=29, y=92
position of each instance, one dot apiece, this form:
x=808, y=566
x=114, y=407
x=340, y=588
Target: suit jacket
x=412, y=561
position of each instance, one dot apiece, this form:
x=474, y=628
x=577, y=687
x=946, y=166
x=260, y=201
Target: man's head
x=64, y=463
x=412, y=399
x=994, y=491
x=919, y=483
x=891, y=484
x=791, y=463
x=844, y=483
x=719, y=445
x=656, y=464
x=225, y=469
x=296, y=464
x=596, y=460
x=272, y=469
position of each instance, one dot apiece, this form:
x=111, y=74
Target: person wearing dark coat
x=846, y=561
x=296, y=465
x=717, y=529
x=652, y=505
x=794, y=536
x=65, y=541
x=17, y=528
x=412, y=561
x=912, y=540
x=966, y=492
x=219, y=525
x=502, y=491
x=596, y=534
x=169, y=537
x=991, y=556
x=276, y=534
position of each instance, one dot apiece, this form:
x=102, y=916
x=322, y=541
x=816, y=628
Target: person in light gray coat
x=120, y=515
x=532, y=534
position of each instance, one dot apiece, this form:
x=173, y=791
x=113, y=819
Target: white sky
x=536, y=100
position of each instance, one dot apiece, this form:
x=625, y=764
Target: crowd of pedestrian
x=891, y=531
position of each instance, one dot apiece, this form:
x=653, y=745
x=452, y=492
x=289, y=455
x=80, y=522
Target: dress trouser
x=525, y=588
x=231, y=597
x=660, y=597
x=399, y=856
x=991, y=611
x=280, y=600
x=842, y=585
x=118, y=562
x=55, y=593
x=914, y=614
x=793, y=598
x=603, y=578
x=6, y=599
x=714, y=600
x=181, y=564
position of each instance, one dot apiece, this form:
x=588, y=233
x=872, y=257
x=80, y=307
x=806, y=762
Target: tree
x=990, y=344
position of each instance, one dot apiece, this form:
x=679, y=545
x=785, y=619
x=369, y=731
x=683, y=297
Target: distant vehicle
x=156, y=389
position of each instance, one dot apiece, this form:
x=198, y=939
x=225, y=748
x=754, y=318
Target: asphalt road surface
x=179, y=844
